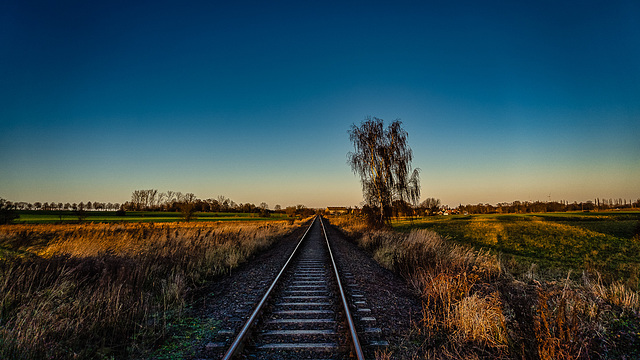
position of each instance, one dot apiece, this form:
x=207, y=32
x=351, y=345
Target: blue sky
x=253, y=100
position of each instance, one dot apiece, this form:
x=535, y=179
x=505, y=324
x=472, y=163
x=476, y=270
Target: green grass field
x=50, y=217
x=607, y=242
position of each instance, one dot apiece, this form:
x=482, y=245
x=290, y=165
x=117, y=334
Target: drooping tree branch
x=382, y=159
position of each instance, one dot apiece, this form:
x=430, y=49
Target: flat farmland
x=606, y=242
x=50, y=217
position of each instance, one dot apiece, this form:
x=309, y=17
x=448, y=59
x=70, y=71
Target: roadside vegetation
x=91, y=291
x=486, y=296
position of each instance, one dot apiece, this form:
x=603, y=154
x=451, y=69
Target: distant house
x=334, y=210
x=448, y=212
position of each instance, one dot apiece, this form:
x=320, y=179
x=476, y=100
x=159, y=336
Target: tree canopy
x=382, y=158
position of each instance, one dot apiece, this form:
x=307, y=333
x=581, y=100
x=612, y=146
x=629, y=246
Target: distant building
x=334, y=210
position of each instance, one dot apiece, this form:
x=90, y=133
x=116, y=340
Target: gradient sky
x=252, y=100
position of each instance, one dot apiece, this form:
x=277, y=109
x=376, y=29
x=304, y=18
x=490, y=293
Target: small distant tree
x=214, y=205
x=430, y=205
x=382, y=158
x=7, y=212
x=188, y=207
x=121, y=212
x=223, y=203
x=290, y=211
x=81, y=214
x=402, y=208
x=264, y=210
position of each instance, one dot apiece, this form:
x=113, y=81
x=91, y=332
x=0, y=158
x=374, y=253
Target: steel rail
x=352, y=329
x=235, y=346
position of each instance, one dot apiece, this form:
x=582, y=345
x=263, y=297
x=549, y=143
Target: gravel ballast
x=383, y=305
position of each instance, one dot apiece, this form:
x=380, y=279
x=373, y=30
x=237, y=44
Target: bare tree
x=188, y=207
x=382, y=158
x=431, y=205
x=144, y=199
x=223, y=202
x=214, y=205
x=161, y=199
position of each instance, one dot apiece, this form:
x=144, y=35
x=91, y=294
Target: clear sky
x=502, y=100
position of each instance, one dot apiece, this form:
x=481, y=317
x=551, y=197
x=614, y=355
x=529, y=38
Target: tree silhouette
x=382, y=158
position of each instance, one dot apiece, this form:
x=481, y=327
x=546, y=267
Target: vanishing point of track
x=304, y=313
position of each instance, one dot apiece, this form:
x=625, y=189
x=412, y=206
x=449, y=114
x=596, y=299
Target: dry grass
x=618, y=294
x=351, y=224
x=474, y=308
x=480, y=319
x=446, y=276
x=104, y=290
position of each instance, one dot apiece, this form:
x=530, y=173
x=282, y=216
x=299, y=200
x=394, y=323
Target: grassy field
x=556, y=242
x=51, y=217
x=111, y=291
x=483, y=298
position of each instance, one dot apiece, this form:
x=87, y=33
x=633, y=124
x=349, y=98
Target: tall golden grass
x=105, y=290
x=474, y=308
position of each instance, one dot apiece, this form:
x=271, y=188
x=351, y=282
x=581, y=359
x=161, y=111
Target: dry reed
x=104, y=290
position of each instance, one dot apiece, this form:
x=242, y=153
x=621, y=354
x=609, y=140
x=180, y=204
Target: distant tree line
x=7, y=212
x=188, y=204
x=433, y=206
x=520, y=207
x=62, y=206
x=152, y=200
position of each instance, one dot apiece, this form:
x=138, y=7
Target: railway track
x=304, y=314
